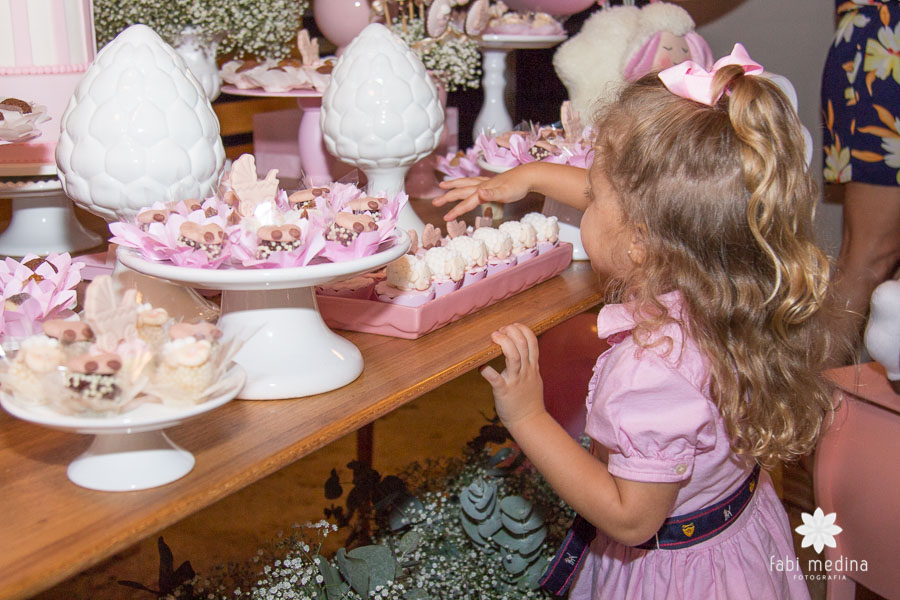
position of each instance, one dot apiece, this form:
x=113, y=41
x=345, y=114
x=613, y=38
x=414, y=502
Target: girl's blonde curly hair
x=723, y=204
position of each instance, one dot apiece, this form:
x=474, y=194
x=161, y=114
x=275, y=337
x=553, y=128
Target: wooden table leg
x=365, y=440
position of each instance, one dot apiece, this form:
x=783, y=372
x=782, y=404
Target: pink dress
x=654, y=415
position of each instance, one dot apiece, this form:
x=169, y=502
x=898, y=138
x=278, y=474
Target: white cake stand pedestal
x=43, y=220
x=130, y=451
x=289, y=352
x=493, y=115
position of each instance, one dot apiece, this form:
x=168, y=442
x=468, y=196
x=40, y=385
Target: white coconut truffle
x=408, y=273
x=41, y=354
x=499, y=243
x=473, y=251
x=523, y=235
x=445, y=263
x=546, y=228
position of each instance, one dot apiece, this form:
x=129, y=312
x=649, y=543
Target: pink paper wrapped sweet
x=194, y=240
x=350, y=235
x=293, y=244
x=447, y=269
x=37, y=289
x=474, y=253
x=493, y=153
x=546, y=228
x=456, y=165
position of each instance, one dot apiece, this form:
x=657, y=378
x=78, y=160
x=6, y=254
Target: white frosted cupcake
x=151, y=323
x=499, y=245
x=38, y=356
x=546, y=228
x=186, y=364
x=474, y=253
x=524, y=239
x=407, y=282
x=356, y=287
x=447, y=269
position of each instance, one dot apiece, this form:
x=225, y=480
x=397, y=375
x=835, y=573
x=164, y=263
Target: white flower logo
x=818, y=530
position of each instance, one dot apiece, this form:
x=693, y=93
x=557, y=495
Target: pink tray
x=372, y=316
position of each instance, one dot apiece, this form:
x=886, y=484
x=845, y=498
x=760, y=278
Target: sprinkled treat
x=208, y=238
x=347, y=227
x=186, y=365
x=147, y=217
x=274, y=238
x=93, y=376
x=306, y=199
x=68, y=332
x=16, y=105
x=366, y=205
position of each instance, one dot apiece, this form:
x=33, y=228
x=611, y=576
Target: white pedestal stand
x=43, y=220
x=494, y=115
x=288, y=351
x=130, y=451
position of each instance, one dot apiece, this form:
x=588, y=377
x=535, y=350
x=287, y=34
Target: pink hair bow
x=690, y=80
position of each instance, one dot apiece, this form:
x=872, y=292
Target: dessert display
x=251, y=223
x=310, y=72
x=37, y=292
x=569, y=143
x=444, y=277
x=509, y=22
x=114, y=356
x=50, y=48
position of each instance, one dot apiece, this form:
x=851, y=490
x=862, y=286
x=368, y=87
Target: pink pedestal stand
x=318, y=165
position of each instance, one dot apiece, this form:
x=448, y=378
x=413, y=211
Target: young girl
x=699, y=207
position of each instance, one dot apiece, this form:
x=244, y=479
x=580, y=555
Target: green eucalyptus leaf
x=530, y=579
x=335, y=587
x=471, y=530
x=406, y=513
x=516, y=507
x=491, y=525
x=498, y=457
x=354, y=570
x=513, y=563
x=382, y=566
x=409, y=541
x=533, y=523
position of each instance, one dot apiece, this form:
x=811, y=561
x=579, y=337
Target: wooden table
x=51, y=529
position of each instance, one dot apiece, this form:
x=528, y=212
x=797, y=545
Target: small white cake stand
x=288, y=351
x=130, y=451
x=43, y=220
x=493, y=115
x=567, y=232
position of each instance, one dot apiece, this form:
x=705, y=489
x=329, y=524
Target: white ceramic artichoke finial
x=138, y=129
x=381, y=112
x=882, y=337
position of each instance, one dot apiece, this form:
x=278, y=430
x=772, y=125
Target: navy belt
x=676, y=532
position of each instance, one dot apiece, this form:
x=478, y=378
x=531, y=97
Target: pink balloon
x=340, y=20
x=552, y=7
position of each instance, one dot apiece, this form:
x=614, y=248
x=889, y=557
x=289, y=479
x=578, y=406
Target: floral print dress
x=861, y=94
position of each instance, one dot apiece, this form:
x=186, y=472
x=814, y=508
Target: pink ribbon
x=690, y=80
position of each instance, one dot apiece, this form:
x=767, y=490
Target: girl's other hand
x=471, y=192
x=518, y=390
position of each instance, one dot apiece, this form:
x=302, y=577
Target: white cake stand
x=289, y=352
x=493, y=115
x=43, y=220
x=567, y=232
x=130, y=451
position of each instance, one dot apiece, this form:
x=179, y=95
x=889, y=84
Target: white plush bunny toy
x=882, y=337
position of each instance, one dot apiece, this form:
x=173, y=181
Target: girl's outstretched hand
x=518, y=390
x=470, y=192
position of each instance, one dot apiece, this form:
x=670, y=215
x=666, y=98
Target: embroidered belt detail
x=676, y=532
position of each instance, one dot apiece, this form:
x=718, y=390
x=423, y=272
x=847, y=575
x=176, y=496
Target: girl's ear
x=636, y=246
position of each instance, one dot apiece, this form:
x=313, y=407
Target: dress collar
x=615, y=319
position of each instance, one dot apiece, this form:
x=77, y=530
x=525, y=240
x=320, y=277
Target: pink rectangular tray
x=384, y=318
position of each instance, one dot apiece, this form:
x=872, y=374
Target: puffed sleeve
x=650, y=416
